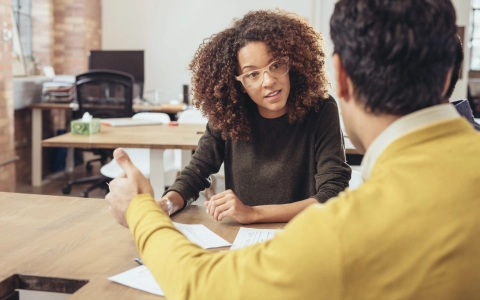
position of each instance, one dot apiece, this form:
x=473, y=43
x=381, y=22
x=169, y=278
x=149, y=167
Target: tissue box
x=81, y=127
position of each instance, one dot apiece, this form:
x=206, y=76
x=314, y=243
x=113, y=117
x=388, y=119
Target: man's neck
x=372, y=126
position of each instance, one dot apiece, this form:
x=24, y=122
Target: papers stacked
x=61, y=89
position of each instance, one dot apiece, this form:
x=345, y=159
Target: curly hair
x=220, y=97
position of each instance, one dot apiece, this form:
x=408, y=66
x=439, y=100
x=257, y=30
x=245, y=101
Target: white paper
x=139, y=278
x=121, y=122
x=249, y=236
x=201, y=235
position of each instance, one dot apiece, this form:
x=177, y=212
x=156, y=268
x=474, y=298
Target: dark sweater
x=464, y=109
x=282, y=163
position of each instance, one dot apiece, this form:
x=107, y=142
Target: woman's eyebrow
x=255, y=67
x=251, y=67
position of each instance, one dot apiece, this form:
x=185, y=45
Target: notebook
x=118, y=122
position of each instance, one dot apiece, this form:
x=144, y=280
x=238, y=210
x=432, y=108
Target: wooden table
x=37, y=129
x=155, y=137
x=77, y=238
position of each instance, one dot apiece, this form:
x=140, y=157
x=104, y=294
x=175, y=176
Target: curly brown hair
x=215, y=65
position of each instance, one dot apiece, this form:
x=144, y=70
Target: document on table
x=201, y=235
x=249, y=236
x=139, y=278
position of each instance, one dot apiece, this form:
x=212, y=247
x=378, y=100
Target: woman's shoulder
x=214, y=132
x=325, y=118
x=325, y=107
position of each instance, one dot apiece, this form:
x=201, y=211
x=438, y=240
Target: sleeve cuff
x=140, y=204
x=183, y=191
x=320, y=198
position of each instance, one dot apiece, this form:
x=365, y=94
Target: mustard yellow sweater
x=411, y=231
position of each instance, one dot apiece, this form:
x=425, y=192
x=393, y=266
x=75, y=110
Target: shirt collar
x=402, y=127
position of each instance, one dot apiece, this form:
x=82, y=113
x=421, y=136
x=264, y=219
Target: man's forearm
x=185, y=271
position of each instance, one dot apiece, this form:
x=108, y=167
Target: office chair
x=103, y=94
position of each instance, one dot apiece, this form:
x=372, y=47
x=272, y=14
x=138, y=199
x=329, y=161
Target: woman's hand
x=227, y=204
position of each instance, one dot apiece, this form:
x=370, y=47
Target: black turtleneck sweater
x=282, y=163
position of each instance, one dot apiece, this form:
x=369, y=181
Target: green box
x=85, y=128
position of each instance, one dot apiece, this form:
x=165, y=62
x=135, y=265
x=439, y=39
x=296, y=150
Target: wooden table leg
x=37, y=147
x=186, y=157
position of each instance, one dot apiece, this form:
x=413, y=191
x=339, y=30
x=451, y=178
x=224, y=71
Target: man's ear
x=446, y=84
x=341, y=78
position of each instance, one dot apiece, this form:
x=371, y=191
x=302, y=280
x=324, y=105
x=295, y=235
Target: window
x=22, y=14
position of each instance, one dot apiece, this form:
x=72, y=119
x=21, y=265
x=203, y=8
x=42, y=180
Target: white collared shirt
x=402, y=127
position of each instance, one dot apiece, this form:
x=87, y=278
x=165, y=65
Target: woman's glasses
x=254, y=79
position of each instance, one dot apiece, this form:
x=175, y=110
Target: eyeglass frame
x=263, y=70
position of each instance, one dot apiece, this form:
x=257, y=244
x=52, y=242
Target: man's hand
x=125, y=187
x=227, y=204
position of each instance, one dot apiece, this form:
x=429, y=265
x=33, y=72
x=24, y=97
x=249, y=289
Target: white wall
x=171, y=31
x=323, y=10
x=462, y=7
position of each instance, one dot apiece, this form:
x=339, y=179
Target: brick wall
x=77, y=31
x=63, y=33
x=7, y=149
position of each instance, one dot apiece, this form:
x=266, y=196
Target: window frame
x=22, y=11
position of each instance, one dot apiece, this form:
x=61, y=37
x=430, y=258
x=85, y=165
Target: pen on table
x=138, y=260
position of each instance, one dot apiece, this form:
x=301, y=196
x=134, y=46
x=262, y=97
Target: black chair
x=103, y=94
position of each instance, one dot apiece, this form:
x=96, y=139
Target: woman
x=263, y=87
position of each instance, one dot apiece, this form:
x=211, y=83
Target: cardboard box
x=85, y=128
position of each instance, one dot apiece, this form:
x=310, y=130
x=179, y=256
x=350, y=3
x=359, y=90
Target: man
x=411, y=231
x=462, y=106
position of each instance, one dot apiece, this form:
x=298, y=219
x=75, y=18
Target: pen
x=138, y=260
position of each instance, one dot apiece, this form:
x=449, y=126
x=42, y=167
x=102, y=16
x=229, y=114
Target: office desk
x=155, y=137
x=77, y=238
x=37, y=129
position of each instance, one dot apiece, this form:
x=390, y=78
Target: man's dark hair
x=396, y=52
x=457, y=65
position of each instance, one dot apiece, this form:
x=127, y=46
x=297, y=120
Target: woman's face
x=271, y=96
